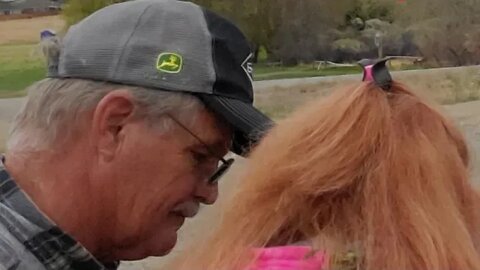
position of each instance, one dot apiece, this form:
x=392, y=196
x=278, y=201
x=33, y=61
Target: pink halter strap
x=289, y=258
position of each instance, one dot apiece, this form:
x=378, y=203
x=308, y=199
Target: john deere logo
x=169, y=63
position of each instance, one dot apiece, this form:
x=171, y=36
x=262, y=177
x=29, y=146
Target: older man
x=126, y=137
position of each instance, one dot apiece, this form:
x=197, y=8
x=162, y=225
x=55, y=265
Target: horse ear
x=381, y=74
x=377, y=71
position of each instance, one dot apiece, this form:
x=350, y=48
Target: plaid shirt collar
x=53, y=248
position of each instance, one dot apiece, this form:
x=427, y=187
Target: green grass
x=20, y=66
x=263, y=72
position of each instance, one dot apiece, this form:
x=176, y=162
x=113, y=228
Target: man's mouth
x=186, y=210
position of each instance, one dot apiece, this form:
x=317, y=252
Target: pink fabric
x=289, y=258
x=368, y=73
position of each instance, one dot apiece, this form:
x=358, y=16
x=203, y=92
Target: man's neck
x=59, y=188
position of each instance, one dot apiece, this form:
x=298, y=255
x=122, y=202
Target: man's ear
x=110, y=116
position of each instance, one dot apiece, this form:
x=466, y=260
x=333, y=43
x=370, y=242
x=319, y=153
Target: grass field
x=20, y=61
x=20, y=65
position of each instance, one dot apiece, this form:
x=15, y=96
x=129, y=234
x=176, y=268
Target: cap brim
x=248, y=122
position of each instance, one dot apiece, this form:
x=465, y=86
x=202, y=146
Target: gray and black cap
x=168, y=45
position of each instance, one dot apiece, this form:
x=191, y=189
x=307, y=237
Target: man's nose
x=207, y=193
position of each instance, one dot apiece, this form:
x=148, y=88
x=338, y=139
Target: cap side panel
x=91, y=48
x=170, y=49
x=232, y=54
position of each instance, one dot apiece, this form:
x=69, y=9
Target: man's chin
x=162, y=251
x=153, y=247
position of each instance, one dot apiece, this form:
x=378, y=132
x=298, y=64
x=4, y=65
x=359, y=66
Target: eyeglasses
x=226, y=163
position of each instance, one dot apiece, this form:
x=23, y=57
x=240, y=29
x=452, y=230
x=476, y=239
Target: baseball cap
x=169, y=45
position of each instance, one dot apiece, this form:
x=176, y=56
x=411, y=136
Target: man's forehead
x=219, y=137
x=214, y=131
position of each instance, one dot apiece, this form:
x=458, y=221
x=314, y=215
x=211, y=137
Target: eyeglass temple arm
x=198, y=138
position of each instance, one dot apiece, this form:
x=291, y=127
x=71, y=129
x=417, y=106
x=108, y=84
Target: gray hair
x=54, y=107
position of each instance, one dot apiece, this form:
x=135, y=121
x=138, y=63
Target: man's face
x=154, y=180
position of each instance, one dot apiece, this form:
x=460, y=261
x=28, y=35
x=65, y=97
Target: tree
x=76, y=10
x=289, y=30
x=258, y=19
x=307, y=28
x=443, y=30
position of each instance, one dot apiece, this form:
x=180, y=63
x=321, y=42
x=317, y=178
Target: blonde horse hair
x=380, y=174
